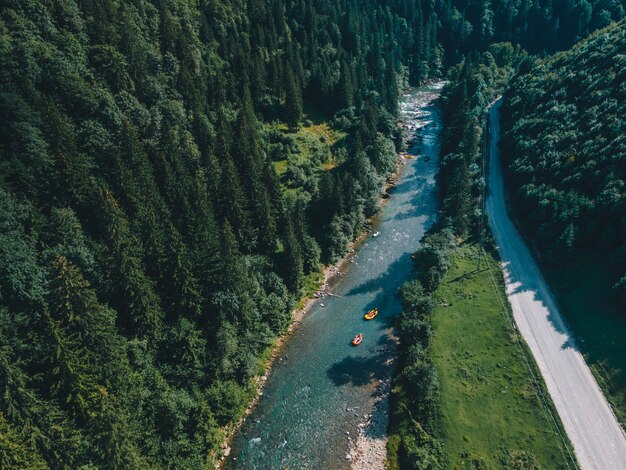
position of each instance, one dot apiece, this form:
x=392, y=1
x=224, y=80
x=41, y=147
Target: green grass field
x=492, y=415
x=582, y=290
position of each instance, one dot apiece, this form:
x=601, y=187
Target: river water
x=322, y=390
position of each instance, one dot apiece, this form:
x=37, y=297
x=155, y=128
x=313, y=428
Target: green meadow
x=495, y=411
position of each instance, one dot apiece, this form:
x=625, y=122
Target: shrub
x=227, y=401
x=415, y=299
x=420, y=450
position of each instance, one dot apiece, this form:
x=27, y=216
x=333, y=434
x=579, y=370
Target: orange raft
x=357, y=339
x=371, y=314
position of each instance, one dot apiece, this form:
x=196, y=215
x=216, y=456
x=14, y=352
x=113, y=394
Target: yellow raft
x=371, y=314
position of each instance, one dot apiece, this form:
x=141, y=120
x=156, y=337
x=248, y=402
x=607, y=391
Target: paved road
x=598, y=440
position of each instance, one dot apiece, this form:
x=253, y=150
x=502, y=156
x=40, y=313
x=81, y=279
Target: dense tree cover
x=148, y=250
x=537, y=25
x=564, y=150
x=471, y=86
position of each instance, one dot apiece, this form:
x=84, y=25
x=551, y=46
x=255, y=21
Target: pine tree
x=292, y=259
x=346, y=87
x=246, y=147
x=265, y=221
x=235, y=281
x=132, y=292
x=17, y=451
x=293, y=100
x=310, y=249
x=205, y=243
x=232, y=204
x=233, y=270
x=183, y=291
x=457, y=203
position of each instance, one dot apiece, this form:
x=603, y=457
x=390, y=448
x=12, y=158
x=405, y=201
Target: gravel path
x=598, y=440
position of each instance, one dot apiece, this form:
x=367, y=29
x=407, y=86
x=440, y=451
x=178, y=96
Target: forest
x=152, y=244
x=565, y=150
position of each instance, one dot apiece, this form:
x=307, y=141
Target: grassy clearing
x=319, y=137
x=491, y=413
x=316, y=147
x=582, y=290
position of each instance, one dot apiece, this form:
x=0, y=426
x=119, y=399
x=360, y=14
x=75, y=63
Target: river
x=324, y=393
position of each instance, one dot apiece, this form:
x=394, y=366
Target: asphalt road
x=598, y=440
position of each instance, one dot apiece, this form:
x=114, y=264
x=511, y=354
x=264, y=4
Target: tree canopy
x=564, y=148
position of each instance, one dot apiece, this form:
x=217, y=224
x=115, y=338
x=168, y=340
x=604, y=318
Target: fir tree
x=293, y=100
x=292, y=260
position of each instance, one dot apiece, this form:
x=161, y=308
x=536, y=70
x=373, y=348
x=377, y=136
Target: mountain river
x=325, y=401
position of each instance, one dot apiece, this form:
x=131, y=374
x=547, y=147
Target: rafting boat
x=371, y=314
x=357, y=339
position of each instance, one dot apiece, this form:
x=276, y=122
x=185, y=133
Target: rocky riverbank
x=369, y=451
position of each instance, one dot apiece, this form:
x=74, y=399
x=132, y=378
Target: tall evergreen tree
x=131, y=291
x=292, y=263
x=293, y=100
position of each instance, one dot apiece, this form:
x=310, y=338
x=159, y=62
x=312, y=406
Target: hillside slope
x=149, y=252
x=564, y=149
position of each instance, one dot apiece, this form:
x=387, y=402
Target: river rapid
x=325, y=403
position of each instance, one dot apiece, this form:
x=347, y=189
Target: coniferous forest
x=152, y=245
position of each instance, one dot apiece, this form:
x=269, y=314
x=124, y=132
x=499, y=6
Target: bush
x=432, y=263
x=414, y=329
x=442, y=239
x=420, y=450
x=227, y=401
x=420, y=378
x=414, y=298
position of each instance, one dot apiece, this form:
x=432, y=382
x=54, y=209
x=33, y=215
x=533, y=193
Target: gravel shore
x=369, y=452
